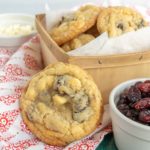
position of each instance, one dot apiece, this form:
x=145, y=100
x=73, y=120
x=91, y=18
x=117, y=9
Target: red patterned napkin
x=16, y=68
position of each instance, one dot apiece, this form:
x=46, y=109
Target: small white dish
x=128, y=134
x=14, y=41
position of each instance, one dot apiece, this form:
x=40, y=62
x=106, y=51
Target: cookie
x=74, y=24
x=61, y=104
x=93, y=31
x=118, y=20
x=77, y=42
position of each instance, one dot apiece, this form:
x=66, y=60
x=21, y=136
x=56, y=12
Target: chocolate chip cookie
x=77, y=42
x=118, y=20
x=61, y=104
x=74, y=24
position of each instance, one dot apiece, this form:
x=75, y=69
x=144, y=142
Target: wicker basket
x=107, y=71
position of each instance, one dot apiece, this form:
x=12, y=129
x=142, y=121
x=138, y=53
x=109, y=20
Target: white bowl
x=17, y=40
x=128, y=134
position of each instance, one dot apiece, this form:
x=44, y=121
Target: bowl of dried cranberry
x=130, y=112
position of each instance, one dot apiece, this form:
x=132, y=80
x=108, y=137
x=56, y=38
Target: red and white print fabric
x=16, y=68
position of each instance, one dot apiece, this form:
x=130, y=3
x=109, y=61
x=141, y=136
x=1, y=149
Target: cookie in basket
x=61, y=104
x=93, y=31
x=118, y=20
x=77, y=42
x=74, y=24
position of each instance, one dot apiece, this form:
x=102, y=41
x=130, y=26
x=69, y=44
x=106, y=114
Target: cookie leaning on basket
x=74, y=24
x=61, y=104
x=119, y=20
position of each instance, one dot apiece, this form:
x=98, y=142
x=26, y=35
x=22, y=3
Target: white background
x=37, y=6
x=22, y=6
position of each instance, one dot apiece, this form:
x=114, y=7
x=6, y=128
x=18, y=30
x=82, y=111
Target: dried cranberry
x=144, y=116
x=144, y=95
x=142, y=104
x=144, y=87
x=123, y=108
x=132, y=114
x=137, y=84
x=131, y=105
x=134, y=94
x=148, y=94
x=124, y=95
x=122, y=101
x=147, y=81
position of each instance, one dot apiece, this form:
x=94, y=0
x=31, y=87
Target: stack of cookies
x=89, y=21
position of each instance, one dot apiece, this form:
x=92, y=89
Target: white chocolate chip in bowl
x=16, y=29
